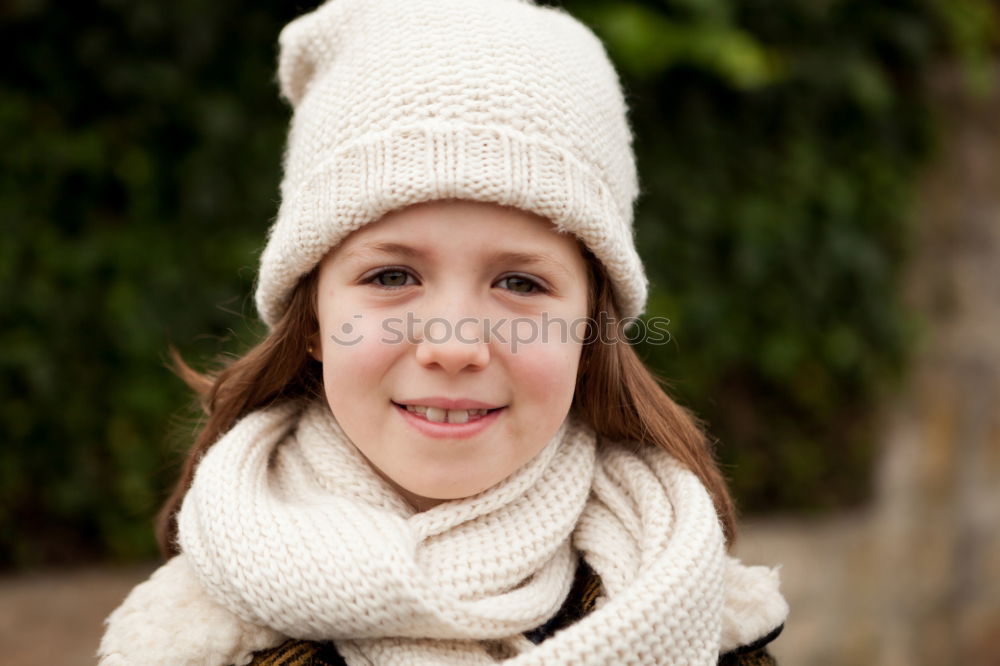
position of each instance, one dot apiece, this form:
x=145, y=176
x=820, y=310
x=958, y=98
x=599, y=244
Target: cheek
x=348, y=334
x=547, y=373
x=354, y=362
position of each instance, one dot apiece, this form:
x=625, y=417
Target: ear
x=313, y=343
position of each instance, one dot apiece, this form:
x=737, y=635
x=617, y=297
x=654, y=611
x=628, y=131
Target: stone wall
x=915, y=579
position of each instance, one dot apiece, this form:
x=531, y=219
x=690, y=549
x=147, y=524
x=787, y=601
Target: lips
x=436, y=415
x=446, y=403
x=448, y=430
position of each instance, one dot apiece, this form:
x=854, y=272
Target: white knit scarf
x=287, y=527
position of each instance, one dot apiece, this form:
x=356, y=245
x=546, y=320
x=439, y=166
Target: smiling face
x=443, y=303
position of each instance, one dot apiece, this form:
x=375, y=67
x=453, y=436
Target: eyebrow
x=496, y=257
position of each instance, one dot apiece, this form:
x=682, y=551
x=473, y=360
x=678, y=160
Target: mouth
x=439, y=416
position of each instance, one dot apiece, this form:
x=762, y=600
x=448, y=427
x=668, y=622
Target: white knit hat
x=397, y=102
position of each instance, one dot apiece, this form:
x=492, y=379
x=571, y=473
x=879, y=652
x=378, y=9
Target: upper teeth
x=439, y=415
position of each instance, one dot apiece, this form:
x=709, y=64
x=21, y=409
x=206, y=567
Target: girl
x=441, y=453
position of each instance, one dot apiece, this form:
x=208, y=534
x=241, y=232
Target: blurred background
x=820, y=220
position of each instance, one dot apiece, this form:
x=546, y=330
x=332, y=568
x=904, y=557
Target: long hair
x=615, y=393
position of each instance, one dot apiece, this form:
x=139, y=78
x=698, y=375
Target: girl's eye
x=393, y=278
x=523, y=285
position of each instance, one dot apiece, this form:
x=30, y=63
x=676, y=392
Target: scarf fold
x=288, y=527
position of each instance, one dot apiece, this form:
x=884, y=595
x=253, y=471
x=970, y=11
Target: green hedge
x=778, y=143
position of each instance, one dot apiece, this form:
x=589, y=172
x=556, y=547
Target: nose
x=453, y=343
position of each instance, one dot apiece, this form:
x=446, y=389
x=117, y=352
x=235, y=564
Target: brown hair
x=615, y=393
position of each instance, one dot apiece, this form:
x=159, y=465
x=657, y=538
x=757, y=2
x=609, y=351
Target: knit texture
x=168, y=620
x=586, y=590
x=287, y=526
x=402, y=101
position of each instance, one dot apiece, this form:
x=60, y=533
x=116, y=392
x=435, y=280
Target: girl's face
x=442, y=304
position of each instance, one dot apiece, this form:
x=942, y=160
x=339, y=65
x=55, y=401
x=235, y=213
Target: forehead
x=443, y=230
